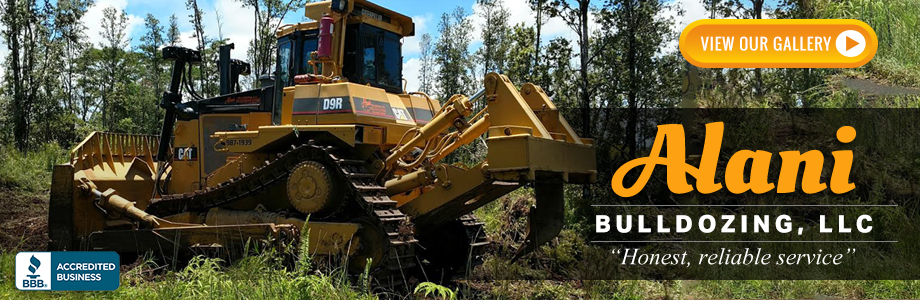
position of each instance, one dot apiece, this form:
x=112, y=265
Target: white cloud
x=236, y=21
x=95, y=14
x=411, y=44
x=411, y=70
x=237, y=24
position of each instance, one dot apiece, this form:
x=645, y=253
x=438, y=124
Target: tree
x=150, y=46
x=268, y=15
x=31, y=81
x=540, y=75
x=756, y=12
x=495, y=35
x=113, y=26
x=791, y=83
x=426, y=72
x=195, y=17
x=65, y=41
x=716, y=80
x=67, y=22
x=174, y=37
x=561, y=74
x=206, y=69
x=722, y=9
x=16, y=19
x=633, y=51
x=451, y=54
x=520, y=63
x=151, y=41
x=576, y=17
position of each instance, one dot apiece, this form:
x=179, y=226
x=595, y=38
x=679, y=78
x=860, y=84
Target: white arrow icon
x=850, y=43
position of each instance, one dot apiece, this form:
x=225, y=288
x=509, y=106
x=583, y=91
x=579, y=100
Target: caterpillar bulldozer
x=333, y=144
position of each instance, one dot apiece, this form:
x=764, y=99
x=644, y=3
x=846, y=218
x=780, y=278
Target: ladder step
x=378, y=200
x=479, y=244
x=359, y=175
x=389, y=213
x=401, y=242
x=345, y=161
x=369, y=188
x=473, y=223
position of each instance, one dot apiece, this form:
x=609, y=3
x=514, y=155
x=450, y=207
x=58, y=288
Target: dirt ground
x=23, y=221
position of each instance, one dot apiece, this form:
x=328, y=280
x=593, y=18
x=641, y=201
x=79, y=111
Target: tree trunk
x=20, y=130
x=632, y=93
x=536, y=49
x=585, y=84
x=583, y=6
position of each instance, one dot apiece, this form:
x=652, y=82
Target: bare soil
x=23, y=221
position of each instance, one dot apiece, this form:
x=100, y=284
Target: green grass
x=822, y=289
x=29, y=171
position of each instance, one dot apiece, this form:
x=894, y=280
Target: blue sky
x=237, y=21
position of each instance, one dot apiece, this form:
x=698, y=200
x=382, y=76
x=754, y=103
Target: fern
x=304, y=261
x=428, y=289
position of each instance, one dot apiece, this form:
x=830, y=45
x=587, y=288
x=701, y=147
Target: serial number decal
x=243, y=100
x=239, y=142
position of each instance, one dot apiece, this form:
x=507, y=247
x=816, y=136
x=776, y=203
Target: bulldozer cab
x=372, y=56
x=366, y=45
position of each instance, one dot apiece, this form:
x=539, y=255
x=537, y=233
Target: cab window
x=373, y=56
x=391, y=60
x=306, y=49
x=284, y=63
x=370, y=58
x=282, y=76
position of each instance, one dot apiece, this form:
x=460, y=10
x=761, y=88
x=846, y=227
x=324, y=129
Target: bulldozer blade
x=546, y=218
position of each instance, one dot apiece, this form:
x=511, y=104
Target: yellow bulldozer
x=333, y=144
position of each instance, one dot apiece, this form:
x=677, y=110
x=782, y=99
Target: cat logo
x=332, y=104
x=187, y=154
x=401, y=114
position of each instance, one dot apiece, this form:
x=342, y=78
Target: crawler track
x=367, y=196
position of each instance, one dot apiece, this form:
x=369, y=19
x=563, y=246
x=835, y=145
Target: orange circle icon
x=797, y=43
x=846, y=134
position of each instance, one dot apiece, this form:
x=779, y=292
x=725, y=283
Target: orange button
x=830, y=43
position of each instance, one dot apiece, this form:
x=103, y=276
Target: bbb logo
x=33, y=271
